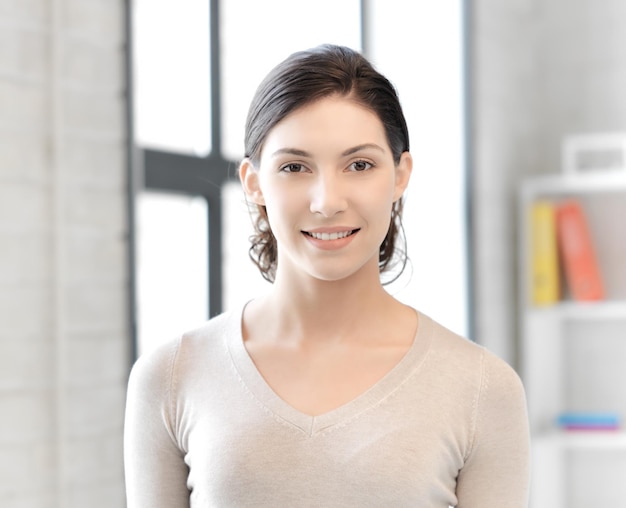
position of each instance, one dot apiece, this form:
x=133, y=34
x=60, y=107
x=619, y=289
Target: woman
x=327, y=391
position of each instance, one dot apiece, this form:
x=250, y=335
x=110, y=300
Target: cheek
x=282, y=207
x=379, y=196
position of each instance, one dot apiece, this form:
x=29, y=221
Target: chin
x=338, y=273
x=330, y=269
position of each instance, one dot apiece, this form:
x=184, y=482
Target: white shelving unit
x=574, y=354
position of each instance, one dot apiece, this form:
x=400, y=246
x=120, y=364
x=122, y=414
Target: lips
x=326, y=236
x=331, y=238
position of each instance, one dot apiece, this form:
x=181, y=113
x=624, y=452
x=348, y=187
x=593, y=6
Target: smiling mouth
x=331, y=236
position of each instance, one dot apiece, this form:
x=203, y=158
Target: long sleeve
x=156, y=474
x=496, y=471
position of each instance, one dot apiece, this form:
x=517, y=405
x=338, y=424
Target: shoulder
x=151, y=370
x=490, y=387
x=493, y=386
x=451, y=350
x=499, y=373
x=470, y=362
x=502, y=393
x=157, y=368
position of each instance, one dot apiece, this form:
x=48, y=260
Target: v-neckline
x=311, y=425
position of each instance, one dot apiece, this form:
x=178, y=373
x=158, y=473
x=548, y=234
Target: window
x=172, y=268
x=421, y=51
x=196, y=66
x=171, y=75
x=269, y=32
x=250, y=49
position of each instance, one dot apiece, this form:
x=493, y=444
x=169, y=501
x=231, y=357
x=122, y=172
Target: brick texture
x=63, y=267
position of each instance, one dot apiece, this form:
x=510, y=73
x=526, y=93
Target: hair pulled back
x=303, y=78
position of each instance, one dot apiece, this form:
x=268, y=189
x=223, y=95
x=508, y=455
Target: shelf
x=559, y=184
x=582, y=440
x=613, y=309
x=573, y=352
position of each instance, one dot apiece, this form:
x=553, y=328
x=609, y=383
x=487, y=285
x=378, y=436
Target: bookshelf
x=574, y=352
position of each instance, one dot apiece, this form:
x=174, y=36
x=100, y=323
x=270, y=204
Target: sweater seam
x=277, y=418
x=414, y=371
x=476, y=407
x=171, y=388
x=379, y=403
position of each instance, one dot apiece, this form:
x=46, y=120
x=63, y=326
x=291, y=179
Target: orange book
x=545, y=282
x=580, y=265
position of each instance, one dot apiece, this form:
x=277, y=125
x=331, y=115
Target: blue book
x=588, y=419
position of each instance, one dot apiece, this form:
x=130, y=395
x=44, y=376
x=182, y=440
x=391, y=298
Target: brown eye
x=360, y=166
x=293, y=167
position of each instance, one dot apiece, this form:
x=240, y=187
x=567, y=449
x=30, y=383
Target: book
x=580, y=265
x=545, y=286
x=589, y=421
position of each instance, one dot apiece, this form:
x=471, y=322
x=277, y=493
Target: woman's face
x=328, y=180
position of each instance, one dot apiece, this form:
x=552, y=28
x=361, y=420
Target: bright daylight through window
x=419, y=43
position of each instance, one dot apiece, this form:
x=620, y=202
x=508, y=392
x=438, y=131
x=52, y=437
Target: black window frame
x=150, y=169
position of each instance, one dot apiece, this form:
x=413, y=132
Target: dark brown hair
x=301, y=79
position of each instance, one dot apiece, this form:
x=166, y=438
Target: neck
x=326, y=311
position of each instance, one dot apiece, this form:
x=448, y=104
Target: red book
x=592, y=428
x=580, y=265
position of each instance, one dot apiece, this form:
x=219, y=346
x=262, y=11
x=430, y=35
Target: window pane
x=430, y=84
x=172, y=266
x=242, y=280
x=171, y=75
x=269, y=32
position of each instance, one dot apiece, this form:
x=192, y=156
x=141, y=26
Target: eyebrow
x=291, y=151
x=364, y=146
x=349, y=151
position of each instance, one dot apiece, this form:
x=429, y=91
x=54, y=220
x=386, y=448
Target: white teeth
x=330, y=236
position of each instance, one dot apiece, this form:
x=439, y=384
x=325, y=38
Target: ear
x=403, y=175
x=249, y=176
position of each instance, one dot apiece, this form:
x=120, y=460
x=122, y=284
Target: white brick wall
x=63, y=321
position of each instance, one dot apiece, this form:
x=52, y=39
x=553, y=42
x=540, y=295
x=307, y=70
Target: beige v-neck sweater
x=446, y=427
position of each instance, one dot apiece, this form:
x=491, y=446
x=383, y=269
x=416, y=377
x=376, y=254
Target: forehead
x=326, y=124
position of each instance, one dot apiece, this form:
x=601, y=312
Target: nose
x=327, y=195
